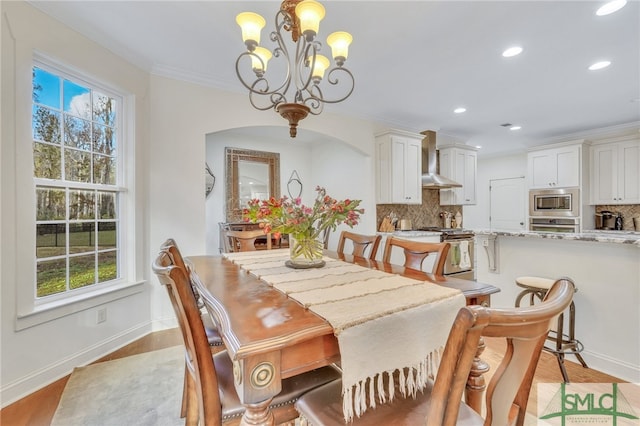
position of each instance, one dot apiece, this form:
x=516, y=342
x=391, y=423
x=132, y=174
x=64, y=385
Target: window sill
x=51, y=311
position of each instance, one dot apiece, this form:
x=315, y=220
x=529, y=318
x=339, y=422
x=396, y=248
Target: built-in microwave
x=559, y=202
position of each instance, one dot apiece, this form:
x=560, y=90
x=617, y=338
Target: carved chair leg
x=258, y=414
x=475, y=383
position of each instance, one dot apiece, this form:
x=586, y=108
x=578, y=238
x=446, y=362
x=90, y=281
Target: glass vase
x=305, y=252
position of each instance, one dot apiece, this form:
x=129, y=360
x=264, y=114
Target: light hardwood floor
x=38, y=408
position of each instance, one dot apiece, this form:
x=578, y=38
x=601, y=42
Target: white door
x=508, y=204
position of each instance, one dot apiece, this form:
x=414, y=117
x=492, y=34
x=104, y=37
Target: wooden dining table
x=270, y=336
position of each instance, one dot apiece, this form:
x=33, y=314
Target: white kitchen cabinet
x=460, y=165
x=555, y=167
x=399, y=166
x=615, y=173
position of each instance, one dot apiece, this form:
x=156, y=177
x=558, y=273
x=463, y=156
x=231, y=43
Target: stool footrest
x=567, y=346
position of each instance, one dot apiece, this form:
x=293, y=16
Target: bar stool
x=536, y=288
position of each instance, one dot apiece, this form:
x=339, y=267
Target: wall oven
x=554, y=202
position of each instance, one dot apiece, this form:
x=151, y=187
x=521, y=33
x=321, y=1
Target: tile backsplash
x=426, y=214
x=628, y=211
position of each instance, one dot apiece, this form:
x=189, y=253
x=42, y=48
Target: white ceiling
x=413, y=61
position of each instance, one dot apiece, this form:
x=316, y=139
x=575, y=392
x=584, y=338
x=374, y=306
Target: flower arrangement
x=304, y=224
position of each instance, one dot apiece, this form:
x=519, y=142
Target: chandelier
x=300, y=92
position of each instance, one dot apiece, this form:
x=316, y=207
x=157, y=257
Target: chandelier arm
x=335, y=81
x=278, y=98
x=253, y=87
x=306, y=50
x=256, y=106
x=239, y=75
x=314, y=101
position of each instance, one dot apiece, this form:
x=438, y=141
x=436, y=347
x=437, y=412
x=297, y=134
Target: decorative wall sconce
x=294, y=185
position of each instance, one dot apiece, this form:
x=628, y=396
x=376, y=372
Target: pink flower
x=290, y=216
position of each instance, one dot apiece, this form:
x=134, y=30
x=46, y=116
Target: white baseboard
x=164, y=324
x=11, y=392
x=611, y=366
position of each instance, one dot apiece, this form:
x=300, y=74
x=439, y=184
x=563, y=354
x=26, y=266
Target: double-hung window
x=77, y=172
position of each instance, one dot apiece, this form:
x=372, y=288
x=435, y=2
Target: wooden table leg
x=258, y=414
x=476, y=383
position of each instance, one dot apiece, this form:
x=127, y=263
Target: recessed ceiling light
x=610, y=7
x=599, y=65
x=478, y=146
x=512, y=51
x=515, y=127
x=459, y=110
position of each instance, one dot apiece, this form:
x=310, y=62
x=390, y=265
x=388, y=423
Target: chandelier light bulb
x=251, y=25
x=310, y=13
x=321, y=65
x=259, y=60
x=339, y=42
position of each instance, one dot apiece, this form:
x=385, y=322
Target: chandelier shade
x=260, y=59
x=251, y=25
x=310, y=13
x=302, y=70
x=339, y=42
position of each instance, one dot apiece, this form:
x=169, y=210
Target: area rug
x=144, y=389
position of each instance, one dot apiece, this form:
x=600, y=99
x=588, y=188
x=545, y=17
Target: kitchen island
x=605, y=267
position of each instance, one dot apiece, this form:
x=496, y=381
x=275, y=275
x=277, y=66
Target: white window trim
x=32, y=311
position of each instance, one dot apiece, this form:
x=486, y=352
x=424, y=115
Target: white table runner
x=384, y=322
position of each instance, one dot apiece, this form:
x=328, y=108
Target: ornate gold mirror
x=249, y=174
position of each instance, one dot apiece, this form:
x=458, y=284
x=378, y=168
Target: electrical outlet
x=102, y=315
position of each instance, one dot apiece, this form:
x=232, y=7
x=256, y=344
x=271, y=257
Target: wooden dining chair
x=246, y=240
x=360, y=244
x=525, y=331
x=415, y=252
x=211, y=396
x=213, y=336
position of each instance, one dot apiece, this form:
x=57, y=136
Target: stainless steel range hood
x=430, y=176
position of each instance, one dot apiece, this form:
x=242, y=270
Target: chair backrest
x=360, y=243
x=171, y=247
x=246, y=240
x=525, y=330
x=416, y=251
x=225, y=241
x=176, y=280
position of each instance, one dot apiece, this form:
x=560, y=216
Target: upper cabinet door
x=460, y=165
x=615, y=173
x=399, y=166
x=555, y=167
x=413, y=171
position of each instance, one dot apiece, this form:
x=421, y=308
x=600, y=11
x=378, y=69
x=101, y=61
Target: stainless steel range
x=460, y=259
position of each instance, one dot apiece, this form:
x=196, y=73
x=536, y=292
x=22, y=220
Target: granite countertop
x=621, y=237
x=411, y=234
